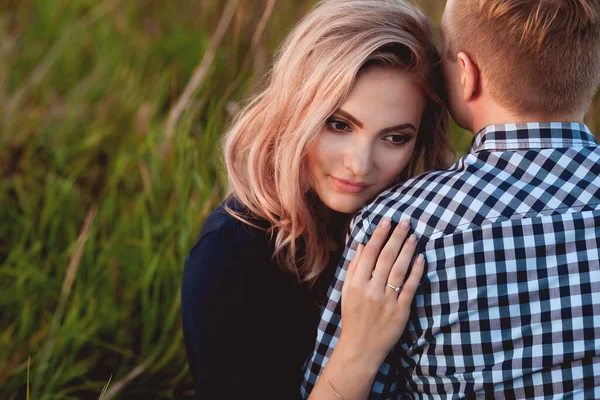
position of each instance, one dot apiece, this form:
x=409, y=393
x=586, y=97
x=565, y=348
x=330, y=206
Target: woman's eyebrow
x=394, y=128
x=350, y=117
x=399, y=128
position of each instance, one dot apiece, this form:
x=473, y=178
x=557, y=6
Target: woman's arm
x=213, y=297
x=236, y=340
x=232, y=348
x=374, y=314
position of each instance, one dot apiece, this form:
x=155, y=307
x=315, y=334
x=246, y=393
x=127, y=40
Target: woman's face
x=368, y=141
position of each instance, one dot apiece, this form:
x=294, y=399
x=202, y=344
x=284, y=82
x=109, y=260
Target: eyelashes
x=337, y=125
x=340, y=126
x=396, y=139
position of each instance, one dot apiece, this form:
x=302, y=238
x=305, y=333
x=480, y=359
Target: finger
x=398, y=271
x=389, y=255
x=412, y=283
x=354, y=262
x=370, y=253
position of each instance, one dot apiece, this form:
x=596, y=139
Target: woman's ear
x=470, y=77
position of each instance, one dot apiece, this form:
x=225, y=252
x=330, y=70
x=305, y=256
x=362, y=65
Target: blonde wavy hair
x=314, y=70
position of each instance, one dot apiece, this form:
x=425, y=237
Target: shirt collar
x=532, y=135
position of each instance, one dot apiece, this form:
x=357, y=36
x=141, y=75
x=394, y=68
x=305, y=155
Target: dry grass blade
x=105, y=388
x=64, y=296
x=79, y=248
x=6, y=49
x=258, y=49
x=118, y=386
x=260, y=28
x=201, y=70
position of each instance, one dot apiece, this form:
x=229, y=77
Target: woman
x=352, y=107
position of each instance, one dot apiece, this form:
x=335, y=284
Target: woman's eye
x=396, y=139
x=338, y=126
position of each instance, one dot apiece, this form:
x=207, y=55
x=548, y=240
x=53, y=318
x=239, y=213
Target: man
x=509, y=306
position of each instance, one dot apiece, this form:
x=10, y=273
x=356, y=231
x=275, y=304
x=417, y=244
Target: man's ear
x=470, y=77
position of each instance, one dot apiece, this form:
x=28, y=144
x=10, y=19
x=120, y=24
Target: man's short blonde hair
x=539, y=56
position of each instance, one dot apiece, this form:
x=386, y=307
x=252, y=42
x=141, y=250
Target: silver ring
x=397, y=289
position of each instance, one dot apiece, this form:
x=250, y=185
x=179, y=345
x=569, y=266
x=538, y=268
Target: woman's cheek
x=392, y=163
x=333, y=147
x=328, y=143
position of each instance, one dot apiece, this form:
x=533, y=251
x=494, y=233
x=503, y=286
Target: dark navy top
x=248, y=325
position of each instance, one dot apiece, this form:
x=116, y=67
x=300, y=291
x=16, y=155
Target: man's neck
x=496, y=114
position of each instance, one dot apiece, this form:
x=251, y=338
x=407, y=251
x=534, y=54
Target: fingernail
x=420, y=259
x=405, y=225
x=386, y=222
x=412, y=239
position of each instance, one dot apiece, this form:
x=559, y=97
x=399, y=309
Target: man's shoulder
x=417, y=188
x=412, y=198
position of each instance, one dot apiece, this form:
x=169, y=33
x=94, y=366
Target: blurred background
x=110, y=116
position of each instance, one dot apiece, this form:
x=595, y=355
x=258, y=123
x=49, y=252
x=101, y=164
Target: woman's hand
x=377, y=294
x=374, y=312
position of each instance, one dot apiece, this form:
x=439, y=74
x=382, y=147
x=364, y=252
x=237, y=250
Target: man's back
x=511, y=299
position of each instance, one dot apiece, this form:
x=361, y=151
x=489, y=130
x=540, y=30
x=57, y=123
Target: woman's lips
x=349, y=186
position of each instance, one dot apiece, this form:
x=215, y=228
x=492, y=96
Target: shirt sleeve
x=230, y=350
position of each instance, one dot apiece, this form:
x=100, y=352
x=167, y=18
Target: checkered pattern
x=509, y=306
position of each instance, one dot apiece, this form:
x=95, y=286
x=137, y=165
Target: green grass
x=85, y=91
x=96, y=217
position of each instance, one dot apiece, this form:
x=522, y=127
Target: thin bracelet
x=339, y=396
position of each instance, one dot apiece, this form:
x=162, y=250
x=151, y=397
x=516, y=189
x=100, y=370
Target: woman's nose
x=359, y=158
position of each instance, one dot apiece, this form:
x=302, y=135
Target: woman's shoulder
x=227, y=250
x=225, y=239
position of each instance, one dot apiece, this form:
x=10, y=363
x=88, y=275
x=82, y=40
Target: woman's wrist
x=349, y=374
x=364, y=360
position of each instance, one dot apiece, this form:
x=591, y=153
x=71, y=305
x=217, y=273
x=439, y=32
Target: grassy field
x=110, y=114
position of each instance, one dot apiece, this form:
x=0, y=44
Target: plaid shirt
x=510, y=301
